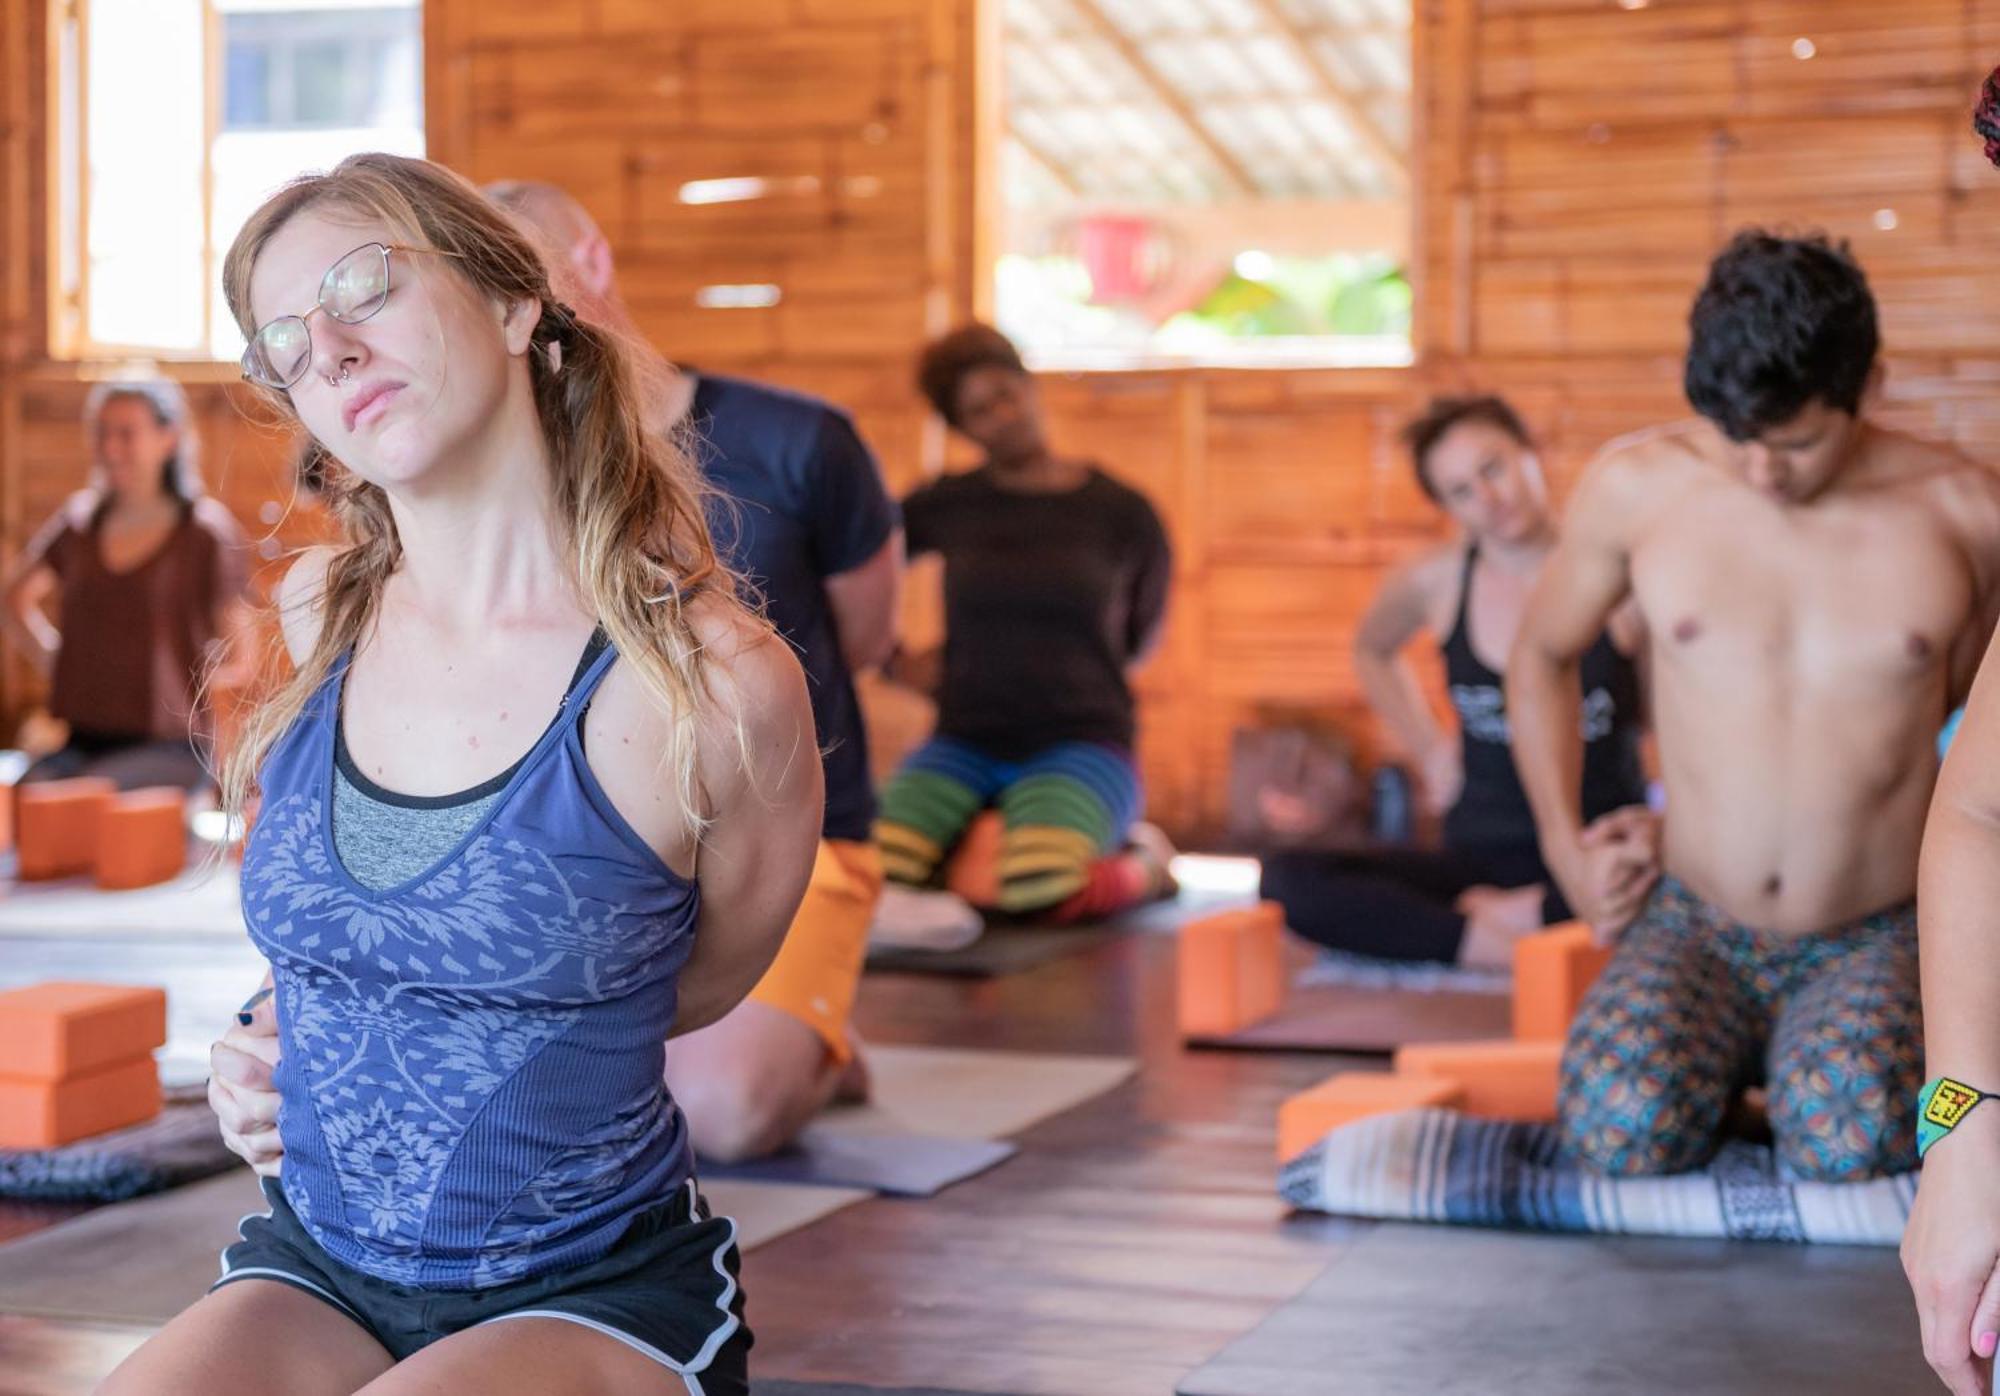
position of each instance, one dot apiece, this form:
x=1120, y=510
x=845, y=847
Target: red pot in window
x=1125, y=256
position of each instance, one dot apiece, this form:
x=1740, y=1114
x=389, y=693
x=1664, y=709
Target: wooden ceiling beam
x=1058, y=171
x=1183, y=111
x=1393, y=32
x=1372, y=137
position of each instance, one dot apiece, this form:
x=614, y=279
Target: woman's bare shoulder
x=299, y=595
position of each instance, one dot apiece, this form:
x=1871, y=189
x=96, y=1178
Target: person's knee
x=745, y=1086
x=1042, y=866
x=1662, y=1136
x=1620, y=1115
x=1867, y=1130
x=734, y=1118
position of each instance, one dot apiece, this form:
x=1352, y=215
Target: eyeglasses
x=353, y=289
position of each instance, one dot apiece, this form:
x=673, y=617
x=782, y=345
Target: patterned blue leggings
x=1695, y=1007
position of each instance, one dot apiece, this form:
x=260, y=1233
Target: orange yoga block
x=56, y=826
x=1553, y=970
x=1503, y=1080
x=1232, y=970
x=59, y=1029
x=1304, y=1119
x=42, y=1114
x=142, y=839
x=973, y=869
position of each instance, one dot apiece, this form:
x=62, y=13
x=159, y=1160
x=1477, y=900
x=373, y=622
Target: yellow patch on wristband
x=1949, y=1102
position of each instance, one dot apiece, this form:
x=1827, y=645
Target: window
x=1219, y=181
x=178, y=117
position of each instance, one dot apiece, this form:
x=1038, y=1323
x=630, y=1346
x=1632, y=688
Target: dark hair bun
x=1986, y=116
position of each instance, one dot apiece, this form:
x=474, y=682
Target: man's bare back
x=1804, y=653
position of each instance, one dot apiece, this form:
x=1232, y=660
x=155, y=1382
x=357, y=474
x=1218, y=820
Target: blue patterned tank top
x=471, y=1085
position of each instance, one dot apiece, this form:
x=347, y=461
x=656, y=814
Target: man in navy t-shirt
x=803, y=515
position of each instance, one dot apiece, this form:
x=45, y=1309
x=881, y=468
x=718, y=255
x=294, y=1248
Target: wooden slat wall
x=845, y=105
x=1577, y=163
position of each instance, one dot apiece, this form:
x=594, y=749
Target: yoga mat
x=1419, y=976
x=1442, y=1166
x=765, y=1211
x=934, y=1119
x=1430, y=1311
x=1343, y=1018
x=145, y=1261
x=176, y=1146
x=847, y=1389
x=900, y=1165
x=962, y=1093
x=202, y=902
x=1003, y=949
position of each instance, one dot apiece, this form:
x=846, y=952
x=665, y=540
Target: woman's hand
x=1951, y=1249
x=240, y=1091
x=1441, y=776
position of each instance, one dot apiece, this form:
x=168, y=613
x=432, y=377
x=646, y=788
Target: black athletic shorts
x=668, y=1289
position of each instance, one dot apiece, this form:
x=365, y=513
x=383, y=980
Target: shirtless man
x=1817, y=592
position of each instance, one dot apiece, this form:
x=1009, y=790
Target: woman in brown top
x=147, y=575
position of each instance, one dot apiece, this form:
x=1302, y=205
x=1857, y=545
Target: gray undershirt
x=384, y=845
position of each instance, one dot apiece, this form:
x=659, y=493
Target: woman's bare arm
x=1401, y=608
x=27, y=587
x=763, y=793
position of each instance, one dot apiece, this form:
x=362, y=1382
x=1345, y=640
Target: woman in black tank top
x=1467, y=901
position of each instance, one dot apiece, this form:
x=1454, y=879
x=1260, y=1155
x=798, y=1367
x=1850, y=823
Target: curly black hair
x=947, y=361
x=1780, y=323
x=1441, y=414
x=1986, y=116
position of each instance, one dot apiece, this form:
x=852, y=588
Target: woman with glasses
x=147, y=575
x=540, y=793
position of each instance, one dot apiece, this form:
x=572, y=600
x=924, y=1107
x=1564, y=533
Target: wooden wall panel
x=1576, y=165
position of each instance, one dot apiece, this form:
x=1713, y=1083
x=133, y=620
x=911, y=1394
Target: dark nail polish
x=244, y=1014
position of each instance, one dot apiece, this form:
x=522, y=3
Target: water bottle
x=1395, y=807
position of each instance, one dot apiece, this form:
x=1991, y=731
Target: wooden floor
x=1128, y=1241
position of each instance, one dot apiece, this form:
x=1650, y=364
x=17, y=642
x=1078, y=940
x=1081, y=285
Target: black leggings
x=130, y=763
x=1397, y=903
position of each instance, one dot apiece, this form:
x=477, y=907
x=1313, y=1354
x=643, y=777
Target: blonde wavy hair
x=629, y=500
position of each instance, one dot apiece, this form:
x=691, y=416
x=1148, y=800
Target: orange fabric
x=42, y=1114
x=56, y=826
x=818, y=967
x=1304, y=1119
x=142, y=839
x=61, y=1029
x=1231, y=970
x=1503, y=1080
x=973, y=869
x=1553, y=970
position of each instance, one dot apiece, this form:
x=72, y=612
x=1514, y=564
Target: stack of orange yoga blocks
x=73, y=828
x=77, y=1060
x=1232, y=976
x=1509, y=1079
